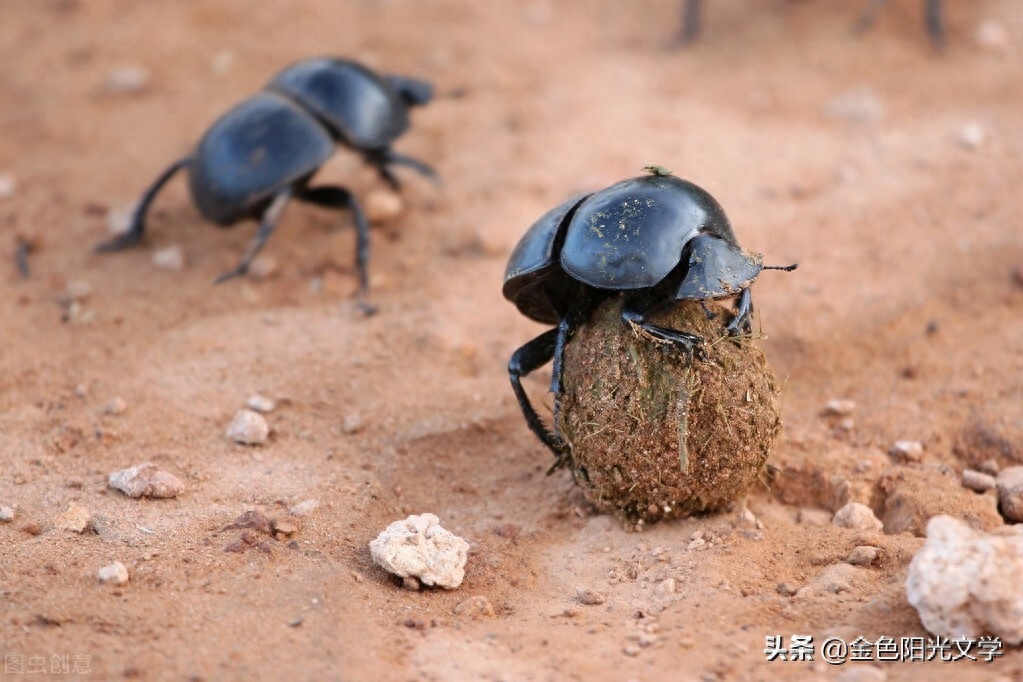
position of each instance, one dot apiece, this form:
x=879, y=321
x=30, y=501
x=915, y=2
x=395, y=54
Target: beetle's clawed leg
x=690, y=344
x=707, y=311
x=267, y=225
x=932, y=20
x=742, y=323
x=138, y=218
x=332, y=196
x=526, y=359
x=690, y=25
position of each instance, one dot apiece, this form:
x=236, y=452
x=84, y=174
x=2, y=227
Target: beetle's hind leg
x=526, y=359
x=138, y=219
x=332, y=196
x=934, y=23
x=690, y=24
x=267, y=225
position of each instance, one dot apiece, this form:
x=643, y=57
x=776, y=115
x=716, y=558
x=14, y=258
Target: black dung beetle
x=655, y=238
x=690, y=25
x=265, y=150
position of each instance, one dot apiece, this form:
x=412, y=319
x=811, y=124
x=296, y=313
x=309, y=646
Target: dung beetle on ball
x=654, y=239
x=263, y=152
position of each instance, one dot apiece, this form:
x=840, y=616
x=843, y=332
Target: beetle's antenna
x=786, y=268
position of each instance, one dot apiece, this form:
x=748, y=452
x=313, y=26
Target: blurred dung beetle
x=655, y=239
x=691, y=9
x=264, y=151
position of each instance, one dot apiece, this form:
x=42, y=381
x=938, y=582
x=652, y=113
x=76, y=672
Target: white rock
x=115, y=574
x=6, y=514
x=352, y=423
x=222, y=63
x=419, y=547
x=75, y=518
x=7, y=185
x=146, y=480
x=839, y=408
x=859, y=105
x=965, y=583
x=248, y=428
x=170, y=258
x=978, y=481
x=864, y=555
x=971, y=135
x=907, y=450
x=119, y=219
x=116, y=405
x=127, y=78
x=857, y=517
x=260, y=403
x=264, y=267
x=1010, y=493
x=382, y=205
x=991, y=35
x=304, y=508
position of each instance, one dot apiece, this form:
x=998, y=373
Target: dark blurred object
x=690, y=26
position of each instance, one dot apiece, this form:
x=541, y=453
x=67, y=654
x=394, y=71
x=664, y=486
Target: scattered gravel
x=146, y=480
x=857, y=517
x=248, y=428
x=971, y=135
x=978, y=481
x=1010, y=494
x=965, y=583
x=260, y=403
x=418, y=547
x=170, y=258
x=6, y=514
x=114, y=574
x=839, y=408
x=75, y=518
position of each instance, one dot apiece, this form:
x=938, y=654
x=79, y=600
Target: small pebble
x=665, y=587
x=588, y=597
x=6, y=514
x=260, y=403
x=863, y=555
x=786, y=589
x=476, y=606
x=127, y=78
x=32, y=528
x=857, y=517
x=411, y=583
x=248, y=428
x=907, y=450
x=1010, y=493
x=352, y=423
x=631, y=650
x=75, y=518
x=7, y=185
x=116, y=405
x=170, y=258
x=263, y=267
x=382, y=205
x=304, y=508
x=115, y=574
x=978, y=481
x=222, y=63
x=859, y=105
x=146, y=480
x=78, y=290
x=971, y=135
x=991, y=35
x=839, y=408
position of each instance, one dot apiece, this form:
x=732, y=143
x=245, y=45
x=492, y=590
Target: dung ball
x=655, y=433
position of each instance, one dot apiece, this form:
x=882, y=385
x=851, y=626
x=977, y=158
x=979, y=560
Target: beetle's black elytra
x=264, y=151
x=655, y=239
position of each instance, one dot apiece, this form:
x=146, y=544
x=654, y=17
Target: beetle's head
x=413, y=91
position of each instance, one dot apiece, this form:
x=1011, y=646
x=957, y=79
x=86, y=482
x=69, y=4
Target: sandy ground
x=891, y=173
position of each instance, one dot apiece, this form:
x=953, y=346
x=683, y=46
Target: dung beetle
x=690, y=26
x=655, y=239
x=264, y=151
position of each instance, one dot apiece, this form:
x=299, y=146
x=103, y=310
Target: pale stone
x=248, y=428
x=146, y=480
x=420, y=548
x=114, y=574
x=857, y=517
